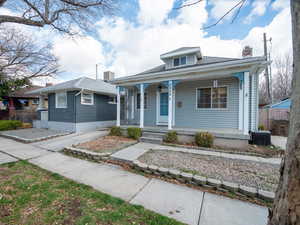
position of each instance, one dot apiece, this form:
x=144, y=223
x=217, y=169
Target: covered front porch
x=174, y=105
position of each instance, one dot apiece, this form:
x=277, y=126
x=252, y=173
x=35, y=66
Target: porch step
x=151, y=140
x=153, y=134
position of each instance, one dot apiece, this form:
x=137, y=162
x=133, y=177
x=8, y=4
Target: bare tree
x=282, y=78
x=286, y=208
x=22, y=60
x=61, y=15
x=263, y=99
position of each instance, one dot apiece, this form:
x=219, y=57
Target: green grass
x=30, y=195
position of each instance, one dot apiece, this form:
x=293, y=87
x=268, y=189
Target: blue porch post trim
x=240, y=76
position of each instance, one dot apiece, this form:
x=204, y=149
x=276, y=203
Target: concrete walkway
x=135, y=151
x=184, y=204
x=279, y=141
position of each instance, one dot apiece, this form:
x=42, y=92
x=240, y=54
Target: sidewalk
x=184, y=204
x=135, y=151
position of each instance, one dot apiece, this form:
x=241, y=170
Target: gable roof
x=283, y=104
x=204, y=61
x=23, y=92
x=180, y=51
x=83, y=83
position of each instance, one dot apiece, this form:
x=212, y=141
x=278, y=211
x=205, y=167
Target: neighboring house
x=276, y=116
x=191, y=92
x=77, y=105
x=20, y=105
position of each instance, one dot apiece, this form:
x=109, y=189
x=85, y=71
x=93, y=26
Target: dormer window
x=179, y=61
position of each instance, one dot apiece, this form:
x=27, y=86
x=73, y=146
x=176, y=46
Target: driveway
x=279, y=141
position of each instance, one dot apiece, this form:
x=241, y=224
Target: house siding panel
x=190, y=117
x=62, y=114
x=101, y=110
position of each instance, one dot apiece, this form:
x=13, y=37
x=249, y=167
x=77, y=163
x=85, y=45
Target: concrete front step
x=153, y=134
x=152, y=140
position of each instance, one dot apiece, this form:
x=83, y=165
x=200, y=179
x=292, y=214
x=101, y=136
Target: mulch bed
x=106, y=144
x=254, y=174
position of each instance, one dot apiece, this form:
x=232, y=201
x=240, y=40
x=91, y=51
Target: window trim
x=114, y=102
x=61, y=92
x=179, y=57
x=145, y=108
x=211, y=87
x=84, y=103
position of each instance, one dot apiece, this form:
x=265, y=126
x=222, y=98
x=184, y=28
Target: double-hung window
x=138, y=101
x=179, y=61
x=215, y=98
x=61, y=100
x=87, y=98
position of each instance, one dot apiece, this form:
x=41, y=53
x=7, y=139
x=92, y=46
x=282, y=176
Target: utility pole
x=96, y=71
x=267, y=76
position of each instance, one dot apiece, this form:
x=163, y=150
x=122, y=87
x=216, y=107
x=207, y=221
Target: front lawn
x=107, y=144
x=30, y=195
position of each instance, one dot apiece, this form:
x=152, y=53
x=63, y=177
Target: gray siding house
x=77, y=105
x=191, y=92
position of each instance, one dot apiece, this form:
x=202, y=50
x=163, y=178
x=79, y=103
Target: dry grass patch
x=107, y=144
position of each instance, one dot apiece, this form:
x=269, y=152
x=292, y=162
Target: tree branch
x=20, y=20
x=188, y=4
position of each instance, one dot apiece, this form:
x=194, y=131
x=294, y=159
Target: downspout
x=75, y=106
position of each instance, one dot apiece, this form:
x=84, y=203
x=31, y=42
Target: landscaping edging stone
x=87, y=154
x=205, y=182
x=26, y=140
x=216, y=150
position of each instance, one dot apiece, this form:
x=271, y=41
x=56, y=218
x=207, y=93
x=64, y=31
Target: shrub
x=134, y=132
x=115, y=131
x=171, y=137
x=261, y=127
x=204, y=139
x=9, y=124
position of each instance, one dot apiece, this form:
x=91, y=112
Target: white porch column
x=246, y=102
x=241, y=102
x=127, y=105
x=141, y=105
x=170, y=109
x=118, y=107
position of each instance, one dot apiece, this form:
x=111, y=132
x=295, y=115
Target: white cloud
x=221, y=7
x=258, y=9
x=281, y=4
x=78, y=56
x=153, y=12
x=134, y=48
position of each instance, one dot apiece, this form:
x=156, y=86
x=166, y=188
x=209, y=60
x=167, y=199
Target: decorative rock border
x=217, y=150
x=205, y=182
x=87, y=154
x=27, y=140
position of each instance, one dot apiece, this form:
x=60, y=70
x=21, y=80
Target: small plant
x=10, y=124
x=204, y=139
x=261, y=127
x=115, y=131
x=171, y=137
x=134, y=132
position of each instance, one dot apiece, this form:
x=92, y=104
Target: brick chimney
x=108, y=76
x=247, y=52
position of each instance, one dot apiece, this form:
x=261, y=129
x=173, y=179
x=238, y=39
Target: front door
x=163, y=108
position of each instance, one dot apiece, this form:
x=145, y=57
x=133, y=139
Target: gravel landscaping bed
x=106, y=144
x=261, y=175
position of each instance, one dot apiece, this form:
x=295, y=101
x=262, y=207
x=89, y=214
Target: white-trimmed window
x=138, y=100
x=87, y=98
x=35, y=101
x=61, y=100
x=180, y=61
x=212, y=98
x=112, y=100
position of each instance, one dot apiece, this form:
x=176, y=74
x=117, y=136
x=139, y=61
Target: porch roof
x=206, y=68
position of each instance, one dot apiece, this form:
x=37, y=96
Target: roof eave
x=201, y=68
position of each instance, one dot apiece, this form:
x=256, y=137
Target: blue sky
x=132, y=39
